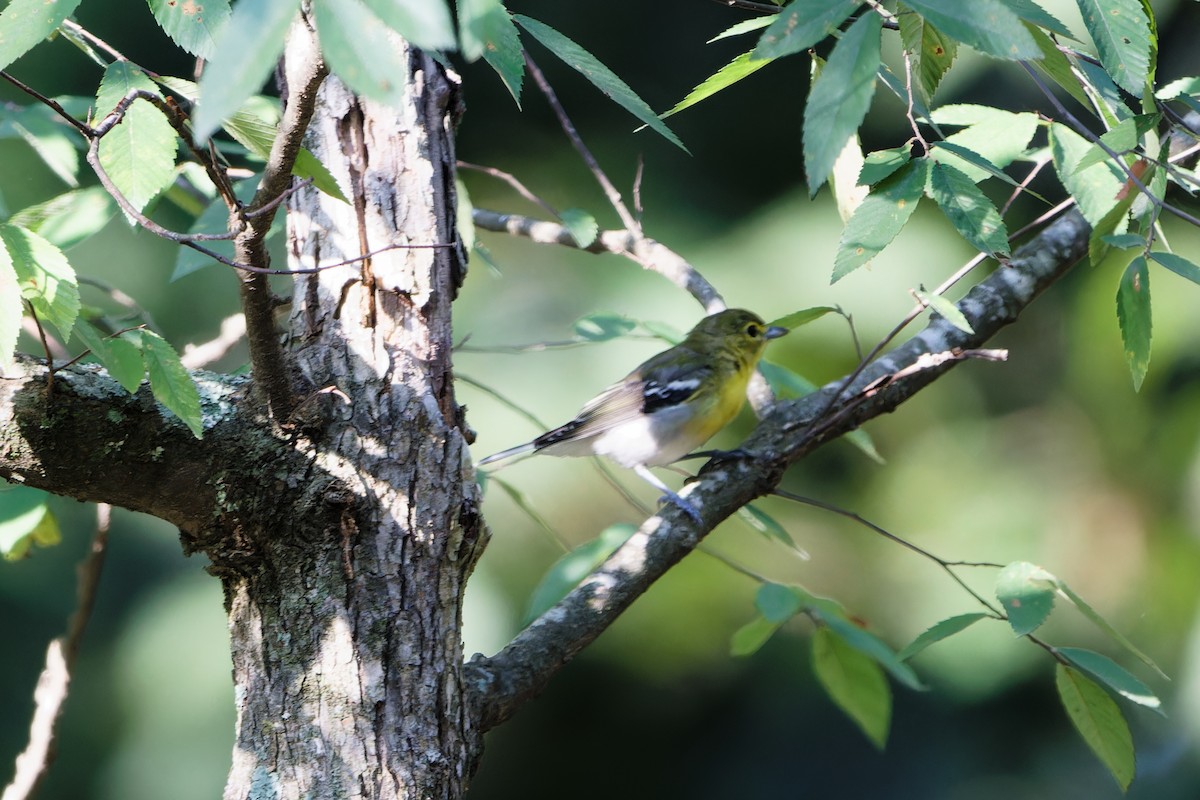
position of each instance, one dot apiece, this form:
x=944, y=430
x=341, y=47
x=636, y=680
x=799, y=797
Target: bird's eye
x=753, y=331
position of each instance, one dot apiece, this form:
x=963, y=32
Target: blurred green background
x=1050, y=457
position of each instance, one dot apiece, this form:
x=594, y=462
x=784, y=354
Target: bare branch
x=504, y=682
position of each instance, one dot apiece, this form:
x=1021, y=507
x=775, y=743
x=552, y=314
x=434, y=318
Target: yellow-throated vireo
x=669, y=405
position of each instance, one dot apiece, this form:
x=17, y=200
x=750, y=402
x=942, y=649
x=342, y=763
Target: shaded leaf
x=1099, y=721
x=939, y=631
x=1177, y=264
x=25, y=23
x=947, y=309
x=68, y=219
x=871, y=645
x=839, y=98
x=40, y=127
x=749, y=638
x=170, y=382
x=777, y=603
x=361, y=50
x=425, y=23
x=930, y=51
x=125, y=362
x=1133, y=315
x=44, y=276
x=880, y=217
x=996, y=136
x=1116, y=219
x=581, y=224
x=1122, y=36
x=486, y=29
x=726, y=76
x=855, y=683
x=1027, y=593
x=602, y=327
x=1104, y=625
x=968, y=209
x=1055, y=65
x=765, y=524
x=970, y=158
x=1031, y=12
x=802, y=24
x=1112, y=675
x=568, y=571
x=882, y=163
x=989, y=26
x=803, y=317
x=139, y=153
x=191, y=24
x=599, y=75
x=1125, y=241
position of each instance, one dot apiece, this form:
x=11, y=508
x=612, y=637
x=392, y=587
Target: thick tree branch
x=504, y=682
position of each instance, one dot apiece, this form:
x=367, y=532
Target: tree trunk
x=345, y=619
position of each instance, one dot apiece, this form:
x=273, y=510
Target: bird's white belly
x=652, y=440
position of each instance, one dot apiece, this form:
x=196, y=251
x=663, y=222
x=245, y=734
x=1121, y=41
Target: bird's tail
x=509, y=453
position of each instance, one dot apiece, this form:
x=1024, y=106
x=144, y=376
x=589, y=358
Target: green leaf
x=40, y=127
x=11, y=310
x=246, y=50
x=361, y=50
x=1027, y=593
x=880, y=217
x=1104, y=625
x=882, y=163
x=568, y=571
x=1116, y=219
x=602, y=327
x=1113, y=675
x=170, y=382
x=765, y=524
x=125, y=362
x=44, y=275
x=749, y=638
x=1055, y=66
x=425, y=23
x=803, y=317
x=997, y=137
x=989, y=26
x=1133, y=315
x=1031, y=12
x=1099, y=721
x=25, y=520
x=1122, y=36
x=1126, y=241
x=745, y=26
x=581, y=224
x=947, y=309
x=599, y=75
x=191, y=24
x=786, y=384
x=871, y=645
x=941, y=630
x=139, y=153
x=930, y=51
x=25, y=23
x=839, y=98
x=1095, y=188
x=968, y=209
x=973, y=159
x=802, y=24
x=1177, y=264
x=777, y=603
x=68, y=219
x=1123, y=138
x=855, y=683
x=487, y=30
x=308, y=166
x=726, y=76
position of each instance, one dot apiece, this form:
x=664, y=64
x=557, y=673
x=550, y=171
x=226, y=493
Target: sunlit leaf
x=803, y=317
x=1099, y=721
x=139, y=153
x=40, y=127
x=871, y=645
x=882, y=163
x=839, y=98
x=1105, y=626
x=1133, y=315
x=11, y=310
x=1122, y=36
x=487, y=30
x=930, y=50
x=855, y=683
x=70, y=218
x=191, y=24
x=968, y=209
x=599, y=75
x=425, y=23
x=44, y=276
x=944, y=307
x=1027, y=593
x=801, y=25
x=941, y=630
x=25, y=520
x=745, y=26
x=27, y=22
x=880, y=217
x=749, y=638
x=989, y=26
x=726, y=76
x=1055, y=65
x=998, y=137
x=969, y=158
x=1033, y=13
x=1113, y=675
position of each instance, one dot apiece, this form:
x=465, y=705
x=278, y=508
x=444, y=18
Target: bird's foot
x=683, y=505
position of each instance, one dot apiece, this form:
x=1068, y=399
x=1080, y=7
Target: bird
x=669, y=405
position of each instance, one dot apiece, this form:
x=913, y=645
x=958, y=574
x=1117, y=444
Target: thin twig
x=750, y=5
x=512, y=181
x=48, y=101
x=54, y=682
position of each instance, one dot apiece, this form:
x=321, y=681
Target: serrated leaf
x=802, y=24
x=871, y=645
x=602, y=327
x=68, y=219
x=765, y=524
x=11, y=310
x=425, y=23
x=1027, y=593
x=939, y=631
x=139, y=153
x=848, y=193
x=777, y=603
x=970, y=158
x=125, y=362
x=1113, y=675
x=930, y=51
x=1104, y=625
x=1106, y=96
x=170, y=382
x=947, y=309
x=882, y=163
x=43, y=130
x=968, y=209
x=1133, y=315
x=1125, y=241
x=1123, y=138
x=361, y=50
x=726, y=76
x=880, y=217
x=245, y=51
x=599, y=75
x=44, y=275
x=1099, y=721
x=568, y=571
x=191, y=24
x=839, y=98
x=1177, y=264
x=487, y=30
x=581, y=224
x=998, y=137
x=989, y=26
x=749, y=638
x=803, y=317
x=25, y=23
x=855, y=683
x=1122, y=36
x=25, y=519
x=745, y=26
x=1031, y=12
x=1117, y=219
x=1055, y=65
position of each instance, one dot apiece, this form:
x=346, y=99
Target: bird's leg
x=719, y=455
x=650, y=478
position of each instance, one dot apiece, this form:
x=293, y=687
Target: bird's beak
x=774, y=332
